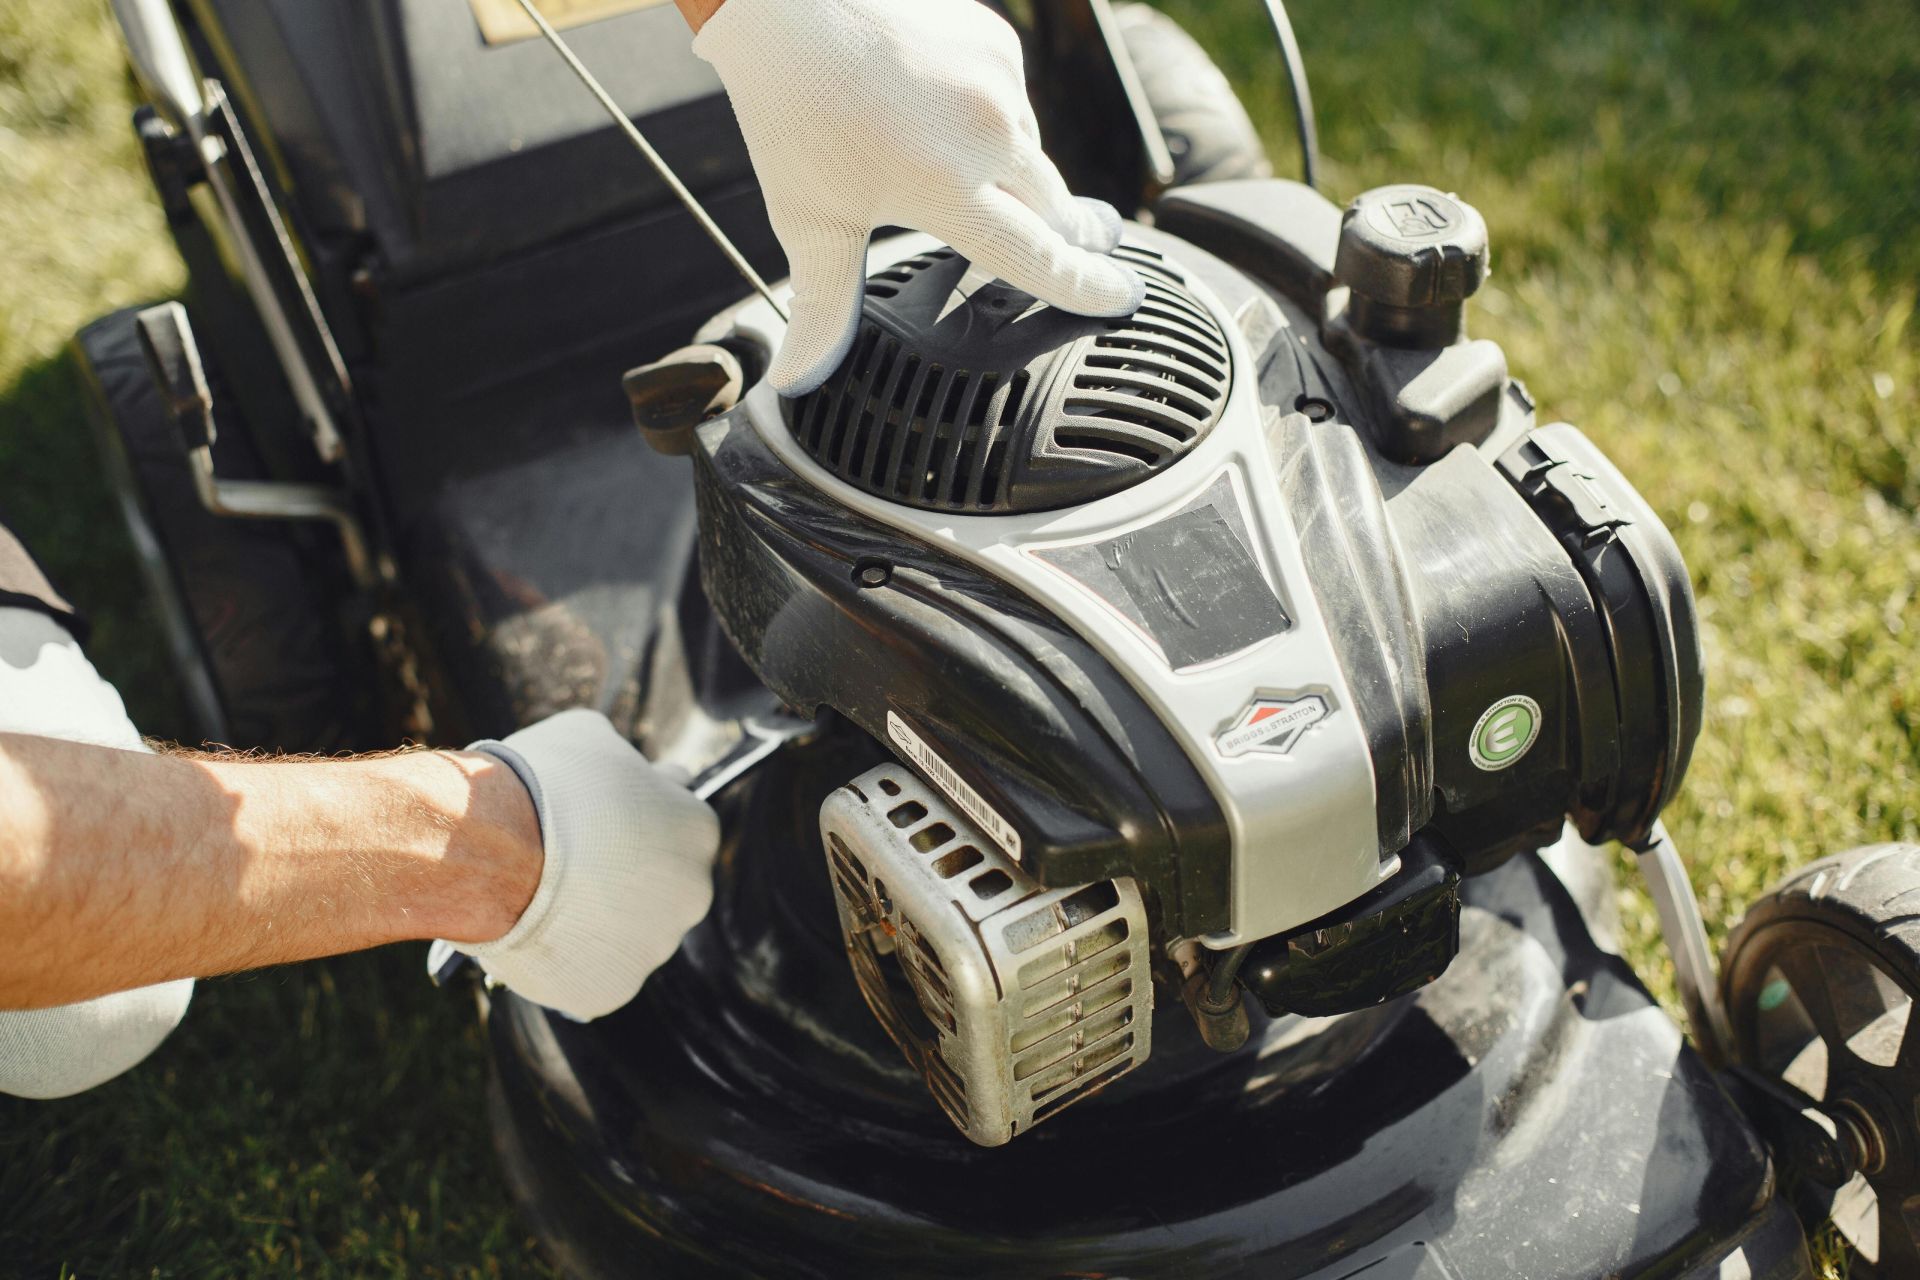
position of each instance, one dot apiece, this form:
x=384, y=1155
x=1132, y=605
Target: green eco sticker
x=1506, y=731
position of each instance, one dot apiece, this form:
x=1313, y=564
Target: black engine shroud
x=1462, y=556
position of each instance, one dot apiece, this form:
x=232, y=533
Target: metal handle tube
x=1686, y=935
x=1152, y=140
x=159, y=57
x=654, y=158
x=1309, y=128
x=164, y=68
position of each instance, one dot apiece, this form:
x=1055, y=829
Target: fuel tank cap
x=1412, y=256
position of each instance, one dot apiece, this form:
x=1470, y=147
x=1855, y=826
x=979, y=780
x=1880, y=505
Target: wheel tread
x=1857, y=900
x=1861, y=893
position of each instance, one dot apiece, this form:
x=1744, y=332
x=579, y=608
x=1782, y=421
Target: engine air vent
x=1010, y=1000
x=975, y=398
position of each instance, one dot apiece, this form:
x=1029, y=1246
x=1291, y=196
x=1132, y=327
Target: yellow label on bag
x=503, y=21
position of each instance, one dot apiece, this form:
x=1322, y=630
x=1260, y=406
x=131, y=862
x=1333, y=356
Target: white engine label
x=998, y=829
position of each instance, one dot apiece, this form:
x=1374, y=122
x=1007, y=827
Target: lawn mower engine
x=1214, y=645
x=1075, y=680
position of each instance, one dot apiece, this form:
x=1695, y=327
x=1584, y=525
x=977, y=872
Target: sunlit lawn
x=1704, y=223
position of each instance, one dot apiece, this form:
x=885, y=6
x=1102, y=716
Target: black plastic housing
x=1634, y=572
x=980, y=399
x=833, y=611
x=1516, y=568
x=1462, y=556
x=1387, y=943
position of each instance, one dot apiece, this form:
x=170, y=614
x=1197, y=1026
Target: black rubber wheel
x=258, y=604
x=1820, y=979
x=1207, y=129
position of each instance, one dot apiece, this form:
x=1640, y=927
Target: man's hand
x=868, y=113
x=629, y=868
x=120, y=869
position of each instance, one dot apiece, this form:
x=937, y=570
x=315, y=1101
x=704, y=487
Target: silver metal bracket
x=760, y=738
x=173, y=358
x=284, y=500
x=1686, y=935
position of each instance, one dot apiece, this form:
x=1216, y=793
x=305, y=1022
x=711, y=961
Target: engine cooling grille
x=1011, y=1001
x=991, y=403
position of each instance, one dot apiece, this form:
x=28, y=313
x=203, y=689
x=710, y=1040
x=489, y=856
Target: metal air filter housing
x=1018, y=1000
x=971, y=397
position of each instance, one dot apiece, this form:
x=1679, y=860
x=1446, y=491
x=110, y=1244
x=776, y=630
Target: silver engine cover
x=1024, y=999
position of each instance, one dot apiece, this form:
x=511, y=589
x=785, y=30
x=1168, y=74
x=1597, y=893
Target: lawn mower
x=1164, y=762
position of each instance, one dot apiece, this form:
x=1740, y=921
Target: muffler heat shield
x=1011, y=1000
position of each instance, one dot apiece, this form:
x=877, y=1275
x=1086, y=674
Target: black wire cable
x=1225, y=970
x=1302, y=94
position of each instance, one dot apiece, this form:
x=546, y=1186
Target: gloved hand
x=628, y=870
x=868, y=113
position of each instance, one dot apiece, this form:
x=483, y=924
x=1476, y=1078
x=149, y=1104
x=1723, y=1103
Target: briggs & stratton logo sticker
x=1271, y=724
x=1507, y=730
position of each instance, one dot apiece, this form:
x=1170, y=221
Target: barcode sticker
x=998, y=829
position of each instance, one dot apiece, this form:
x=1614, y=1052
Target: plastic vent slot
x=914, y=431
x=1080, y=408
x=886, y=284
x=1156, y=380
x=867, y=950
x=1011, y=1001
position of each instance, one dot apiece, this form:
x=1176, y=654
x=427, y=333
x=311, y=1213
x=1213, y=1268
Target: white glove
x=629, y=868
x=868, y=113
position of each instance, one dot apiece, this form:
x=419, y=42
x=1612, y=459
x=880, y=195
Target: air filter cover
x=981, y=400
x=1018, y=1001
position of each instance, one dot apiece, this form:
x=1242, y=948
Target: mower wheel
x=253, y=610
x=1207, y=130
x=1820, y=981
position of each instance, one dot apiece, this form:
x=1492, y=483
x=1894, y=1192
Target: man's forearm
x=696, y=12
x=119, y=869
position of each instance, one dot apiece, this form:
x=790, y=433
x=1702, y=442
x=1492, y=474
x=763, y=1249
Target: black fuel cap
x=1411, y=256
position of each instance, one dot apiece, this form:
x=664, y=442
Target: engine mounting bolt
x=1316, y=409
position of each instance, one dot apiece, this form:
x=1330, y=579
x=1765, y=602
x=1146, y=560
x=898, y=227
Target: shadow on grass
x=326, y=1117
x=54, y=495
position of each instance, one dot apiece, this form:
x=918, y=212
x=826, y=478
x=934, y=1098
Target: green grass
x=1704, y=225
x=80, y=233
x=1703, y=217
